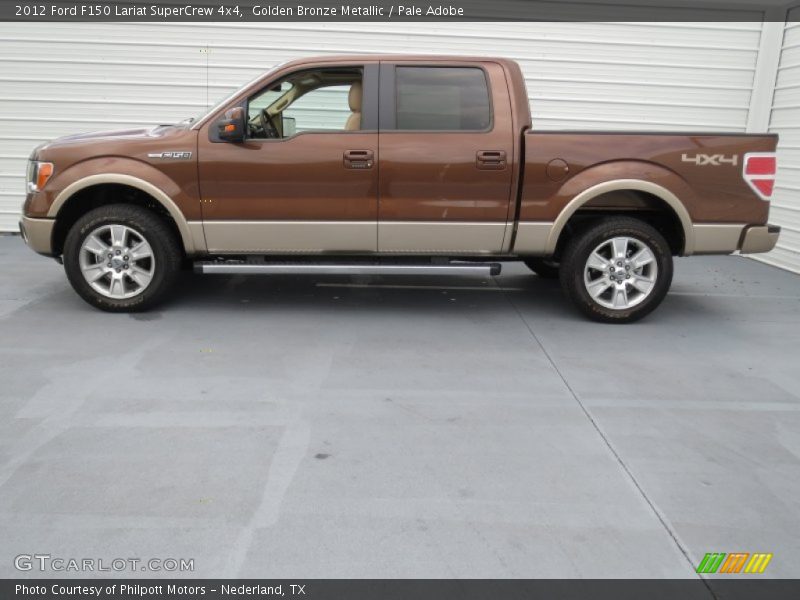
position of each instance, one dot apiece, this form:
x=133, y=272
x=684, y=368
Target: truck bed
x=704, y=170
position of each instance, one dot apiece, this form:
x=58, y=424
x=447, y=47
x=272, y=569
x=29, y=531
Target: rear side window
x=442, y=99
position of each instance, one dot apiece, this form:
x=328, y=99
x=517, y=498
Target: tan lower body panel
x=760, y=238
x=198, y=237
x=717, y=238
x=420, y=237
x=441, y=237
x=532, y=238
x=313, y=237
x=37, y=233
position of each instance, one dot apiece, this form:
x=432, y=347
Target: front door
x=305, y=180
x=446, y=151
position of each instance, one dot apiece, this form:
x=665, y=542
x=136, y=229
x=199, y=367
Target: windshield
x=226, y=98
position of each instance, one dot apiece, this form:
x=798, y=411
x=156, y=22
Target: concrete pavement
x=400, y=427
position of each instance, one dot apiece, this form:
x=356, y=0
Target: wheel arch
x=70, y=194
x=584, y=198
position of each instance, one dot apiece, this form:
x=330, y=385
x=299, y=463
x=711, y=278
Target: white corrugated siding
x=57, y=79
x=785, y=121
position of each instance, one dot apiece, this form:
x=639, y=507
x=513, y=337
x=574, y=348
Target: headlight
x=38, y=174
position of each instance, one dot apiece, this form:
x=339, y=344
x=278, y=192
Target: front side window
x=311, y=100
x=442, y=99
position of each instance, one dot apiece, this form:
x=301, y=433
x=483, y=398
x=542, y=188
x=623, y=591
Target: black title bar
x=382, y=10
x=732, y=588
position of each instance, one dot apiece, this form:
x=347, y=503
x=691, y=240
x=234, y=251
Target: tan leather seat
x=354, y=99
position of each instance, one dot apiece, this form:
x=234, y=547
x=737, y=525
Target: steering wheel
x=266, y=123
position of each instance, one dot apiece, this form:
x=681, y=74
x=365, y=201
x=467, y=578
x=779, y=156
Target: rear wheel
x=545, y=268
x=618, y=270
x=121, y=258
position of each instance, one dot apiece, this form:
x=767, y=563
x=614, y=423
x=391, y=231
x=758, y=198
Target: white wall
x=785, y=121
x=57, y=79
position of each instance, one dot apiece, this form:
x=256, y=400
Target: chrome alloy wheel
x=117, y=261
x=620, y=273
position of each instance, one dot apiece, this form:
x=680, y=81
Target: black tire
x=583, y=244
x=166, y=253
x=545, y=268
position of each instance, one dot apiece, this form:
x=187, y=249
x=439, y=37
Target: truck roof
x=398, y=57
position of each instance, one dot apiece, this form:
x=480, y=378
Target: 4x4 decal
x=714, y=160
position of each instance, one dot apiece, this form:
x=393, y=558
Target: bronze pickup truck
x=388, y=164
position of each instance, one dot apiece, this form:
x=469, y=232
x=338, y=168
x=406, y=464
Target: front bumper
x=38, y=234
x=759, y=238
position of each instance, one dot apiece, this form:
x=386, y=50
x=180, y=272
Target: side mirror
x=231, y=127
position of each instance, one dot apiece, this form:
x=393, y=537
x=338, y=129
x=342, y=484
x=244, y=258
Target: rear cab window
x=432, y=98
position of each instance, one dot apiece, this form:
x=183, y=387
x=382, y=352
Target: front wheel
x=617, y=271
x=121, y=258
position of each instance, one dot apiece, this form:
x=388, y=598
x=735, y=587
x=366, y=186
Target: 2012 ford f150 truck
x=393, y=164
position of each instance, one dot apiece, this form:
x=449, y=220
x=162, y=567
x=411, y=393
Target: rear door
x=446, y=144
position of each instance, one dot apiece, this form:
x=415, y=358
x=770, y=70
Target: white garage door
x=57, y=79
x=785, y=121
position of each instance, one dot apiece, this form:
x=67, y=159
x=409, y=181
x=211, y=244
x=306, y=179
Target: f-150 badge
x=714, y=160
x=176, y=155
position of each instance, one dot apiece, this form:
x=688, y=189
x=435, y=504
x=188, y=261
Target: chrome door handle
x=358, y=159
x=490, y=159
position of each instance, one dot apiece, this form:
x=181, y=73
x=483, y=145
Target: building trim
x=773, y=31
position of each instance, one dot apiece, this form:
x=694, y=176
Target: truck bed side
x=696, y=178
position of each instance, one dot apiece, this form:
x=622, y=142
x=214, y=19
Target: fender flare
x=120, y=178
x=622, y=185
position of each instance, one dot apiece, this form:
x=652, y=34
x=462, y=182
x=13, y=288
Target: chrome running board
x=302, y=268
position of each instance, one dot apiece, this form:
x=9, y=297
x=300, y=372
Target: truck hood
x=115, y=138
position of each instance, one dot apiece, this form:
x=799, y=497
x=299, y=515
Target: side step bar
x=242, y=268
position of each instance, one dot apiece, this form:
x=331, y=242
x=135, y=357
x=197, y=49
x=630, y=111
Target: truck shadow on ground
x=529, y=294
